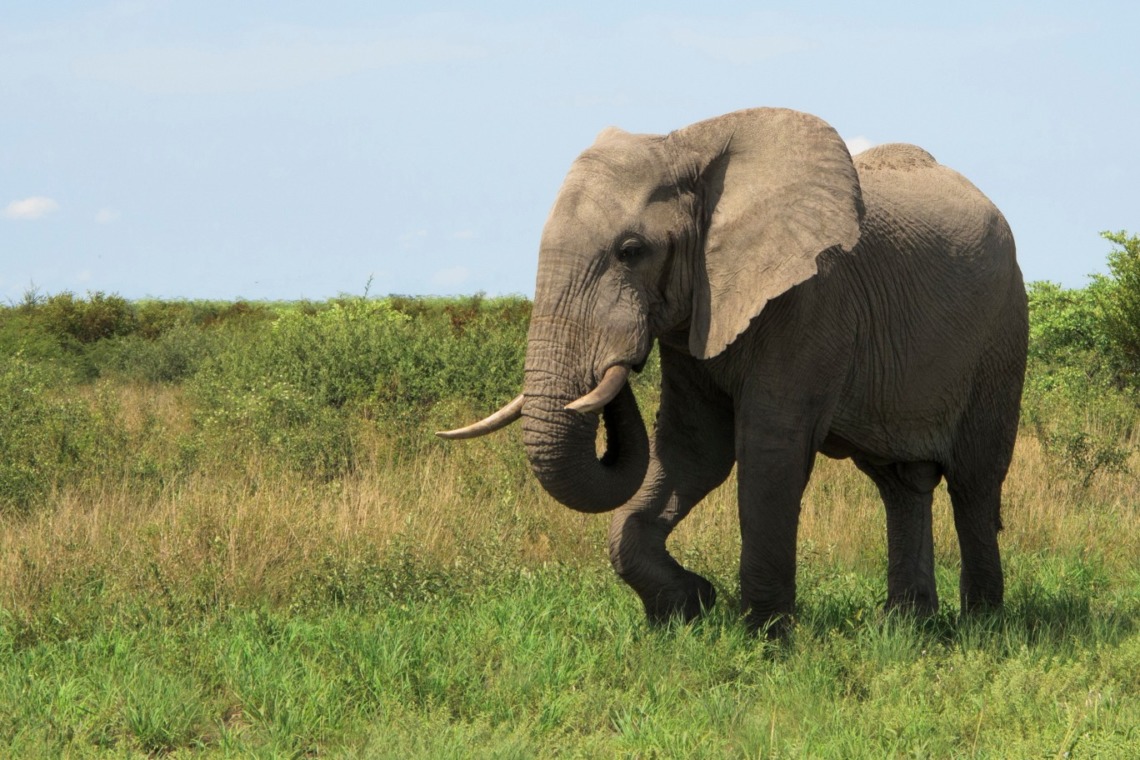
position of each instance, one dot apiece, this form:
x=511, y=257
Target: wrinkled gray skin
x=803, y=302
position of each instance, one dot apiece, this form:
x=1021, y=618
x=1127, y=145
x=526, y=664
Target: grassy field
x=236, y=536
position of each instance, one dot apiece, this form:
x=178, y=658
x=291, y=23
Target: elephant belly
x=918, y=436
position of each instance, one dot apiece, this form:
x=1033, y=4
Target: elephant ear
x=778, y=188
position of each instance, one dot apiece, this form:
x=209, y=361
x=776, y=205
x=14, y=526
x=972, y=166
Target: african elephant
x=803, y=302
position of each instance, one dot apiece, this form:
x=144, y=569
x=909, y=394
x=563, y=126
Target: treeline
x=302, y=384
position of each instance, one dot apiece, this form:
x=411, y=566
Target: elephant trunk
x=561, y=446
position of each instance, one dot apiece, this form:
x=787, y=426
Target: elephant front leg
x=638, y=533
x=773, y=471
x=691, y=453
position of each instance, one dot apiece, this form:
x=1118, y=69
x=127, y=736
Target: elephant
x=802, y=302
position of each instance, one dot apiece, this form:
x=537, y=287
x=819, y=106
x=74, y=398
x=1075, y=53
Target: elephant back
x=912, y=199
x=893, y=157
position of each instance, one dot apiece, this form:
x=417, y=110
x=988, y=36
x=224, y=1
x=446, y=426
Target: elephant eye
x=630, y=249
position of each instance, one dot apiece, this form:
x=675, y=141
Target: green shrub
x=1064, y=325
x=172, y=356
x=99, y=317
x=21, y=334
x=1081, y=382
x=1118, y=297
x=301, y=387
x=45, y=439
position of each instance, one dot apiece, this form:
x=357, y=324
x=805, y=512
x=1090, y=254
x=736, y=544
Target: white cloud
x=107, y=216
x=858, y=144
x=464, y=235
x=413, y=239
x=452, y=277
x=36, y=207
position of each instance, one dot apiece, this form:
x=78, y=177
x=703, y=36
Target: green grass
x=559, y=662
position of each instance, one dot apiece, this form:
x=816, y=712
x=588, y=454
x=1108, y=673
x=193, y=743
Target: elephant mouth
x=607, y=389
x=560, y=439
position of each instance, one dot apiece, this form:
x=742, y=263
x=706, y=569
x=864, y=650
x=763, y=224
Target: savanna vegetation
x=226, y=529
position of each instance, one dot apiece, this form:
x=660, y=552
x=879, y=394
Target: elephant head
x=688, y=235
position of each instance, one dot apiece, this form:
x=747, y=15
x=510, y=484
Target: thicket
x=1083, y=375
x=298, y=384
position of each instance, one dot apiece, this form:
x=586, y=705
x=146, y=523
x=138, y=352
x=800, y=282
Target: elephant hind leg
x=981, y=459
x=977, y=521
x=907, y=490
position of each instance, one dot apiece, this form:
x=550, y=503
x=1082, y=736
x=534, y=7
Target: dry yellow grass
x=242, y=531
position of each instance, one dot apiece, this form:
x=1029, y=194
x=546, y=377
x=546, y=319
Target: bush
x=301, y=387
x=99, y=317
x=1064, y=324
x=21, y=335
x=1081, y=382
x=1118, y=297
x=1084, y=431
x=46, y=440
x=172, y=356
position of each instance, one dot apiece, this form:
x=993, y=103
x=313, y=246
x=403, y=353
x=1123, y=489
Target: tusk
x=607, y=389
x=499, y=419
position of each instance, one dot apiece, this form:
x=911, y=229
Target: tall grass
x=185, y=573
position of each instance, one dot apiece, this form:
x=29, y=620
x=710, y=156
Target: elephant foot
x=981, y=604
x=685, y=599
x=775, y=626
x=769, y=610
x=914, y=602
x=982, y=592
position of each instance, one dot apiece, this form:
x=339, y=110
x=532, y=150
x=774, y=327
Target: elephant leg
x=977, y=521
x=980, y=460
x=907, y=490
x=637, y=537
x=775, y=462
x=691, y=454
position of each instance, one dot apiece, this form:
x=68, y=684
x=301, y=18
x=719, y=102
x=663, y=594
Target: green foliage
x=85, y=321
x=299, y=382
x=172, y=356
x=1064, y=325
x=1084, y=420
x=301, y=388
x=559, y=662
x=1083, y=372
x=152, y=341
x=393, y=650
x=1119, y=299
x=46, y=439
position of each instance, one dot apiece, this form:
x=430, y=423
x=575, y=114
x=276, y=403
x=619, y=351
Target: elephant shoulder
x=894, y=157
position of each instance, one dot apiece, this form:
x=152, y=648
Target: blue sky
x=284, y=150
